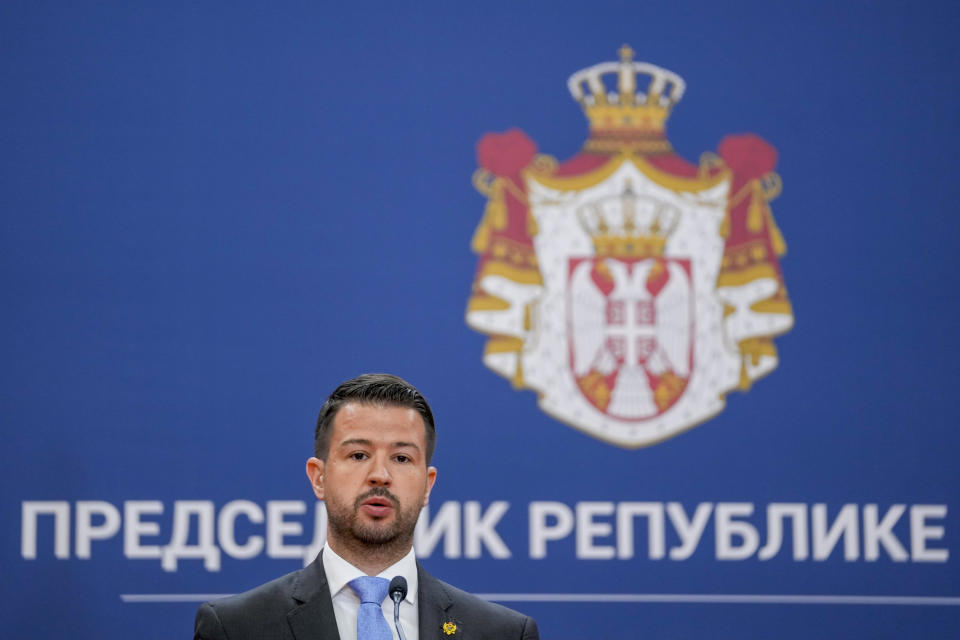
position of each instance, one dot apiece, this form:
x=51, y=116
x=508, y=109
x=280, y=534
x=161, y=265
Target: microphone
x=398, y=591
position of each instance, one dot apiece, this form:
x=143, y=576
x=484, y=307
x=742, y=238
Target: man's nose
x=379, y=474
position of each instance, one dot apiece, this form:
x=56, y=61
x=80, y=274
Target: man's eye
x=358, y=455
x=402, y=458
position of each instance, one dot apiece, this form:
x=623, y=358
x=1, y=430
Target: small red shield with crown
x=629, y=288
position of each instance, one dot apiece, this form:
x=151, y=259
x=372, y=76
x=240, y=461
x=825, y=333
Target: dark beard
x=347, y=526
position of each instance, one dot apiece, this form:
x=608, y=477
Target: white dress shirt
x=346, y=604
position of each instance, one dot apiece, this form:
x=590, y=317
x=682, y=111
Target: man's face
x=375, y=479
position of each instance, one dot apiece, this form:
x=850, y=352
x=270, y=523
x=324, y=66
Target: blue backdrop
x=212, y=214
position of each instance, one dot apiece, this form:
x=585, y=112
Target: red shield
x=630, y=324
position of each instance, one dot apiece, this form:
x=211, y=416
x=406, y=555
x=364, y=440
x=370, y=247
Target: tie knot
x=370, y=589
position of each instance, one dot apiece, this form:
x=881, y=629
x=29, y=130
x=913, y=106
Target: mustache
x=378, y=492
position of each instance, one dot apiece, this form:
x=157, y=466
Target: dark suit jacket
x=298, y=607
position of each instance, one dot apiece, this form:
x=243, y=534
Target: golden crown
x=628, y=225
x=626, y=99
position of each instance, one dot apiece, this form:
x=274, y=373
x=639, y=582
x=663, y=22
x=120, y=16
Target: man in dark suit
x=372, y=448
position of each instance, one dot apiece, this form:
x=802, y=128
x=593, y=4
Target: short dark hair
x=377, y=389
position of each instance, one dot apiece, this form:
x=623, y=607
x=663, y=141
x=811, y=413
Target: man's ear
x=431, y=478
x=315, y=473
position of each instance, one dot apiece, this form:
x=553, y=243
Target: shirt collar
x=340, y=572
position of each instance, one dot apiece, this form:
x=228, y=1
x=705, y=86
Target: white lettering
x=876, y=534
x=205, y=549
x=468, y=530
x=541, y=532
x=479, y=529
x=846, y=525
x=226, y=523
x=446, y=525
x=920, y=533
x=588, y=529
x=653, y=512
x=776, y=514
x=278, y=528
x=727, y=528
x=86, y=531
x=29, y=512
x=689, y=531
x=134, y=528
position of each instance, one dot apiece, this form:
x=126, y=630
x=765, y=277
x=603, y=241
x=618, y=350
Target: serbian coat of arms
x=629, y=288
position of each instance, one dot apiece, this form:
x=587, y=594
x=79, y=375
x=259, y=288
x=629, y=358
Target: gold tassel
x=757, y=210
x=776, y=237
x=517, y=381
x=744, y=384
x=481, y=237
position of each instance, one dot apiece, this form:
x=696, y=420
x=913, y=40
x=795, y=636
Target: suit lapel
x=434, y=607
x=314, y=619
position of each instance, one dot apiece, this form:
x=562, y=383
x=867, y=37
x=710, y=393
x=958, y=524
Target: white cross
x=631, y=330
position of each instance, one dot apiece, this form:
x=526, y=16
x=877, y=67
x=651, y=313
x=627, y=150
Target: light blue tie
x=371, y=625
